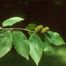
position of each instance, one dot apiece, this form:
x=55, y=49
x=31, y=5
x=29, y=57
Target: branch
x=18, y=29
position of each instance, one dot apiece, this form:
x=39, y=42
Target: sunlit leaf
x=36, y=48
x=55, y=38
x=11, y=21
x=21, y=44
x=5, y=42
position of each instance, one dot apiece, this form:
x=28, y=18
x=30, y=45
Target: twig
x=18, y=29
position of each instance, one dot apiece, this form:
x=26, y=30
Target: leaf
x=48, y=49
x=21, y=44
x=5, y=42
x=36, y=48
x=55, y=38
x=11, y=21
x=31, y=27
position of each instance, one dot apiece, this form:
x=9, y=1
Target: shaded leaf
x=21, y=44
x=31, y=27
x=55, y=38
x=5, y=42
x=36, y=48
x=48, y=49
x=11, y=21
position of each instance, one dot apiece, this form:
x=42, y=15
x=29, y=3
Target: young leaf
x=36, y=48
x=31, y=27
x=11, y=21
x=21, y=44
x=5, y=42
x=55, y=38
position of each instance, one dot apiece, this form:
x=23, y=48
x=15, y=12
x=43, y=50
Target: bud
x=38, y=28
x=45, y=29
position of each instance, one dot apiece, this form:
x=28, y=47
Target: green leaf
x=31, y=27
x=36, y=48
x=11, y=21
x=48, y=49
x=5, y=42
x=55, y=38
x=21, y=44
